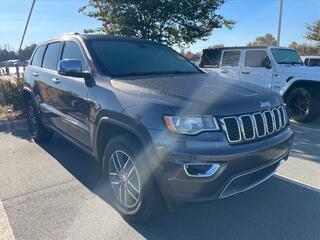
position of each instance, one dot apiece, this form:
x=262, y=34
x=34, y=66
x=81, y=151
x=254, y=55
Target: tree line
x=23, y=55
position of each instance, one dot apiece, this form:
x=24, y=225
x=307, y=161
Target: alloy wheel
x=124, y=179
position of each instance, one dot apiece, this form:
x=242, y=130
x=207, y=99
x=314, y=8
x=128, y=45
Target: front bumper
x=242, y=166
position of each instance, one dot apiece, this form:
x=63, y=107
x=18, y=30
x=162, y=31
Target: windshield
x=129, y=58
x=286, y=56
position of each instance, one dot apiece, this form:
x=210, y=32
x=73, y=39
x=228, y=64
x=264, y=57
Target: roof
x=244, y=47
x=95, y=36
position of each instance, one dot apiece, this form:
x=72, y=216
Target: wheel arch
x=107, y=127
x=27, y=94
x=301, y=83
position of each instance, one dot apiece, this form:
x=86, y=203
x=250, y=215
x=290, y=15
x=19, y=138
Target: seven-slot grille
x=253, y=126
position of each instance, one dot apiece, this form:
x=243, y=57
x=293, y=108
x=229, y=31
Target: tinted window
x=314, y=62
x=231, y=58
x=37, y=58
x=51, y=56
x=210, y=58
x=128, y=58
x=71, y=50
x=257, y=58
x=286, y=56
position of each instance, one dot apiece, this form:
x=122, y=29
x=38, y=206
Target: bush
x=11, y=93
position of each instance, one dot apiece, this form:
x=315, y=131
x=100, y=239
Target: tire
x=303, y=104
x=132, y=188
x=38, y=131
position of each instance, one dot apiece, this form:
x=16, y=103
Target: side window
x=231, y=58
x=51, y=56
x=211, y=58
x=314, y=62
x=71, y=50
x=257, y=58
x=37, y=58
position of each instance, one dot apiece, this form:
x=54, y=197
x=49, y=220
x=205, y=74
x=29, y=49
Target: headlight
x=191, y=125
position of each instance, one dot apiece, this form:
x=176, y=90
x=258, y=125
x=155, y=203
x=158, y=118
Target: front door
x=72, y=98
x=257, y=68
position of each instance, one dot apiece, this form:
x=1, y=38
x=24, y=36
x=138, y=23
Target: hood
x=301, y=71
x=200, y=93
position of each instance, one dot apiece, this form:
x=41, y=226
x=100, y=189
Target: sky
x=253, y=18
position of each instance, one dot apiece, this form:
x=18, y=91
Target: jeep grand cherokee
x=162, y=130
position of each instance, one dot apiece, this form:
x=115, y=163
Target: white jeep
x=278, y=68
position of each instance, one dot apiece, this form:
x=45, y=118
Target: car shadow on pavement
x=277, y=209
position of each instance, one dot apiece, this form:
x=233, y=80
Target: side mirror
x=72, y=68
x=268, y=66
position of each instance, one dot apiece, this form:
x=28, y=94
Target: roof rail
x=69, y=33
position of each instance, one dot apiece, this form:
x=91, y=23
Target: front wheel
x=303, y=104
x=130, y=183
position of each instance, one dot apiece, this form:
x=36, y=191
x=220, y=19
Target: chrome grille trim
x=226, y=131
x=242, y=127
x=275, y=117
x=272, y=121
x=263, y=122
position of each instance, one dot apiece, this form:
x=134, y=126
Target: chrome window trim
x=242, y=127
x=226, y=131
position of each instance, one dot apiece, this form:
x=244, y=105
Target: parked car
x=311, y=61
x=162, y=130
x=278, y=68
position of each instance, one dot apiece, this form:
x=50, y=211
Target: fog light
x=201, y=169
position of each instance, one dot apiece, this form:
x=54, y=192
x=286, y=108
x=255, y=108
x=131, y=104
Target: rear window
x=231, y=58
x=51, y=56
x=210, y=58
x=37, y=58
x=257, y=58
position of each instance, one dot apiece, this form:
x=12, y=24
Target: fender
x=298, y=81
x=27, y=90
x=143, y=138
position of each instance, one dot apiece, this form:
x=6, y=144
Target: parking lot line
x=294, y=181
x=6, y=232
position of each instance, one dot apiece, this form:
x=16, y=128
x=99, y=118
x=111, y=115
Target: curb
x=13, y=125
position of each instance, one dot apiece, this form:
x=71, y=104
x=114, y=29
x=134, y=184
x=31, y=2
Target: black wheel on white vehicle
x=130, y=183
x=303, y=104
x=38, y=131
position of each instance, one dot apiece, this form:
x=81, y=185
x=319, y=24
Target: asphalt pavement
x=56, y=191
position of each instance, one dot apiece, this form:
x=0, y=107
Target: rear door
x=257, y=68
x=230, y=64
x=47, y=85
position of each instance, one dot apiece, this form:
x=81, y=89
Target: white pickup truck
x=278, y=68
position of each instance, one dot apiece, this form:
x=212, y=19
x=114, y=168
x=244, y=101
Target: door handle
x=245, y=72
x=55, y=80
x=35, y=74
x=224, y=71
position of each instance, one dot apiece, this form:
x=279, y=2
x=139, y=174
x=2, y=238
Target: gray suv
x=163, y=131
